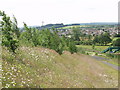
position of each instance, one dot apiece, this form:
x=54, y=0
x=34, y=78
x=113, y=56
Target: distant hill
x=100, y=23
x=55, y=26
x=74, y=24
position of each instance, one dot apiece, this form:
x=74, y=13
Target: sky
x=34, y=12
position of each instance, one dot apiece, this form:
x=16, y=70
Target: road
x=103, y=60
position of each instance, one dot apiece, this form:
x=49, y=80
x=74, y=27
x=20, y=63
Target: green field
x=69, y=27
x=88, y=49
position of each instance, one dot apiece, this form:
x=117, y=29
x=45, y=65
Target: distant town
x=87, y=28
x=92, y=31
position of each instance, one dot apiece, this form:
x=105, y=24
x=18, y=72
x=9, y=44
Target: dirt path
x=103, y=60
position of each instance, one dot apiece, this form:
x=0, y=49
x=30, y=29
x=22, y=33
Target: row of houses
x=65, y=32
x=92, y=31
x=89, y=31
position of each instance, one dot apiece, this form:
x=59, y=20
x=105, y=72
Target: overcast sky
x=33, y=12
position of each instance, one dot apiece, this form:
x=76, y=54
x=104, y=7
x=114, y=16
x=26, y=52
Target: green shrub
x=72, y=47
x=9, y=34
x=116, y=42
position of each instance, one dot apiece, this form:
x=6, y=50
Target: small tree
x=102, y=39
x=15, y=27
x=56, y=42
x=106, y=38
x=72, y=47
x=26, y=36
x=96, y=40
x=9, y=37
x=60, y=48
x=76, y=33
x=93, y=46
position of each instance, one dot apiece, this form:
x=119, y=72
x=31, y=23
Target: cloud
x=33, y=12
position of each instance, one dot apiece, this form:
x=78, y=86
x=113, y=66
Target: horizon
x=91, y=23
x=43, y=12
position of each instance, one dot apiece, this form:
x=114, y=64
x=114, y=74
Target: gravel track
x=103, y=60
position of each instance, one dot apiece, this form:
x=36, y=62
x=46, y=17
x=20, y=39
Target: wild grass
x=88, y=49
x=41, y=67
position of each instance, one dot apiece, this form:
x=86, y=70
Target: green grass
x=41, y=67
x=97, y=48
x=0, y=67
x=69, y=27
x=87, y=49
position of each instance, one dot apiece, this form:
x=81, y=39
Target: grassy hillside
x=88, y=49
x=42, y=67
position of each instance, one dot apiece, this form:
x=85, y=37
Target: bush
x=116, y=42
x=72, y=47
x=32, y=37
x=9, y=34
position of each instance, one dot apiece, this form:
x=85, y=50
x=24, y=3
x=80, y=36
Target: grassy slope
x=99, y=49
x=41, y=67
x=0, y=67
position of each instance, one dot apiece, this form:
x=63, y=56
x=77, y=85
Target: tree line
x=12, y=38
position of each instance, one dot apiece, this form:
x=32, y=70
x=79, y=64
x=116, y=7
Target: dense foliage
x=116, y=42
x=48, y=38
x=102, y=39
x=9, y=31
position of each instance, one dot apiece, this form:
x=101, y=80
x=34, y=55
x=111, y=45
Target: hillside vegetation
x=42, y=59
x=42, y=67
